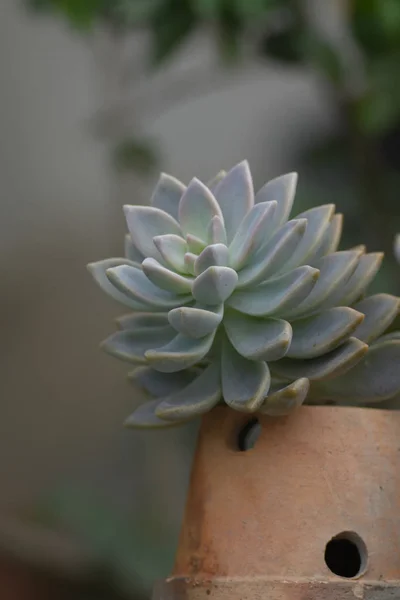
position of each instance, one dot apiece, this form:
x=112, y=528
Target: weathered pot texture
x=310, y=512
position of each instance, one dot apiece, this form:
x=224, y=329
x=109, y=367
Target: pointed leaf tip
x=196, y=209
x=145, y=223
x=144, y=417
x=235, y=196
x=283, y=401
x=167, y=194
x=245, y=383
x=196, y=322
x=214, y=285
x=282, y=189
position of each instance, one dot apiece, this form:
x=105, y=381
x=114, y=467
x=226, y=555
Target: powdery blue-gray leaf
x=196, y=209
x=182, y=352
x=162, y=384
x=98, y=271
x=253, y=233
x=214, y=255
x=172, y=248
x=235, y=195
x=167, y=194
x=131, y=345
x=214, y=285
x=281, y=189
x=131, y=252
x=197, y=321
x=256, y=338
x=272, y=257
x=245, y=383
x=200, y=396
x=135, y=284
x=379, y=310
x=388, y=337
x=189, y=261
x=283, y=401
x=318, y=220
x=216, y=233
x=141, y=320
x=165, y=278
x=330, y=239
x=144, y=417
x=212, y=184
x=367, y=268
x=335, y=270
x=332, y=364
x=375, y=378
x=195, y=244
x=317, y=335
x=145, y=223
x=276, y=295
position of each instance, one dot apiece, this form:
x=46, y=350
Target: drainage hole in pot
x=249, y=435
x=346, y=555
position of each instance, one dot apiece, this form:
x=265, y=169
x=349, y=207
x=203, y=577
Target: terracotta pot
x=311, y=512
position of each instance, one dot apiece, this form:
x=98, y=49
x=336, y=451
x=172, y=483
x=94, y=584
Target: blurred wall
x=62, y=400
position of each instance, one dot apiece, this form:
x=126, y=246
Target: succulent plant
x=233, y=302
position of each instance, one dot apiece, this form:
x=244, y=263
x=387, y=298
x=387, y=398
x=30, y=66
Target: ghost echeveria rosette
x=231, y=301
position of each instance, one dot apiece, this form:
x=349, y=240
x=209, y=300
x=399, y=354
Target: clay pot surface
x=280, y=520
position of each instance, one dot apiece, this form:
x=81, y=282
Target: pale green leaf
x=256, y=338
x=200, y=396
x=375, y=378
x=182, y=352
x=131, y=252
x=144, y=417
x=379, y=310
x=131, y=345
x=140, y=320
x=167, y=194
x=367, y=268
x=330, y=240
x=146, y=222
x=317, y=335
x=245, y=383
x=172, y=248
x=98, y=270
x=283, y=401
x=276, y=296
x=216, y=233
x=135, y=284
x=281, y=189
x=318, y=220
x=165, y=279
x=332, y=364
x=196, y=209
x=189, y=261
x=274, y=255
x=197, y=321
x=235, y=195
x=335, y=271
x=253, y=232
x=214, y=255
x=214, y=285
x=162, y=384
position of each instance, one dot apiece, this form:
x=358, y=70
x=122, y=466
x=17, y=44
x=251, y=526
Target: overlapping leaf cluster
x=234, y=302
